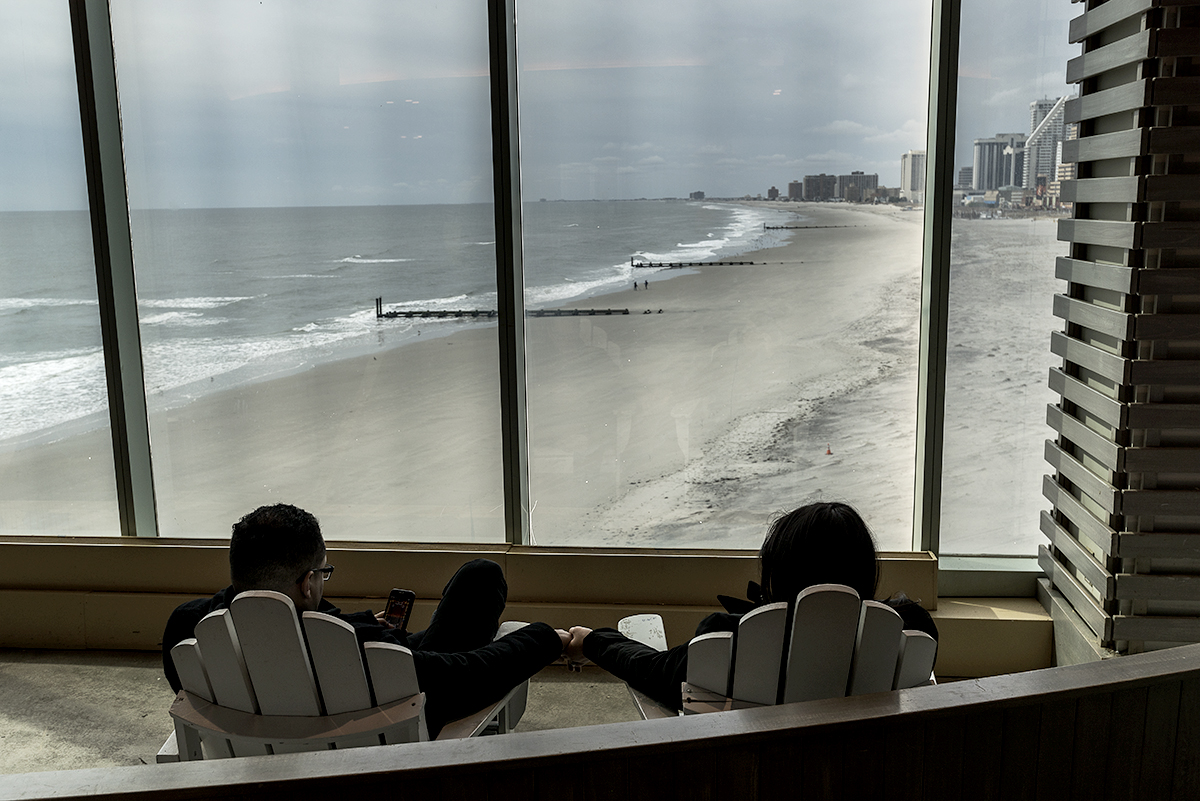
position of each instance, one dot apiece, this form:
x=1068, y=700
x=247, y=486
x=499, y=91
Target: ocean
x=231, y=296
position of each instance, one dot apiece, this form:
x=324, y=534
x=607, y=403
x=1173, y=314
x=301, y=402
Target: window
x=782, y=372
x=56, y=461
x=287, y=166
x=1002, y=274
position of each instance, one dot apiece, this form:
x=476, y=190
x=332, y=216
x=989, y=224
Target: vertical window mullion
x=109, y=208
x=510, y=289
x=935, y=271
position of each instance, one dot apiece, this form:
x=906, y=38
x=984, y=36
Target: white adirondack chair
x=838, y=645
x=251, y=686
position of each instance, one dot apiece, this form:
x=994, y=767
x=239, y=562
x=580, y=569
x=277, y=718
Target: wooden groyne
x=487, y=313
x=675, y=265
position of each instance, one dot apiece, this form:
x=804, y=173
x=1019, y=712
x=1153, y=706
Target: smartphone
x=399, y=607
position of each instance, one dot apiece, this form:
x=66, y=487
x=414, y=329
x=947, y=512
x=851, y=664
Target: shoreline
x=640, y=427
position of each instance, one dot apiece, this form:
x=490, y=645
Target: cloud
x=627, y=147
x=653, y=160
x=831, y=157
x=845, y=128
x=911, y=131
x=1004, y=98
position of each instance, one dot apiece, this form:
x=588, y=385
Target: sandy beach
x=685, y=428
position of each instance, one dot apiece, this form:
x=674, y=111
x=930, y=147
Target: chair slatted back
x=189, y=665
x=826, y=617
x=758, y=654
x=275, y=653
x=917, y=653
x=190, y=668
x=254, y=658
x=223, y=662
x=709, y=659
x=193, y=677
x=876, y=650
x=392, y=672
x=336, y=660
x=393, y=676
x=837, y=645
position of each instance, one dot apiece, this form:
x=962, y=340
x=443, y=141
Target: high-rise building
x=796, y=190
x=1046, y=131
x=912, y=176
x=772, y=194
x=999, y=161
x=964, y=178
x=820, y=187
x=857, y=186
x=696, y=196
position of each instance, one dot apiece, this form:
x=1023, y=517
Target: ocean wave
x=452, y=302
x=537, y=296
x=49, y=389
x=361, y=260
x=17, y=304
x=181, y=318
x=188, y=303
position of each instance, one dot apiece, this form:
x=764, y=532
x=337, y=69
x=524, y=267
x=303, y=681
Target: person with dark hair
x=821, y=543
x=460, y=667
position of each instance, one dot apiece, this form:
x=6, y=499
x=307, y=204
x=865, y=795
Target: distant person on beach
x=459, y=666
x=645, y=284
x=821, y=543
x=635, y=286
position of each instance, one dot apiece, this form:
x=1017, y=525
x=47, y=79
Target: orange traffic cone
x=828, y=452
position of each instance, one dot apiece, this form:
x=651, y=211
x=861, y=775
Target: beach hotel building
x=912, y=176
x=108, y=528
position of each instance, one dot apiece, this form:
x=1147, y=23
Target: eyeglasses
x=325, y=572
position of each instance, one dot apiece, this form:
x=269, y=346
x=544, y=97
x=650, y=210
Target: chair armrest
x=472, y=725
x=697, y=700
x=169, y=751
x=648, y=708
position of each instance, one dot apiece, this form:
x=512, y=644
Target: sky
x=364, y=102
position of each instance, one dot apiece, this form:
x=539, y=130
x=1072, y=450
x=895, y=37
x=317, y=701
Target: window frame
x=101, y=131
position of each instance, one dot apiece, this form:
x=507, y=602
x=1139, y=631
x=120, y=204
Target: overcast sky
x=284, y=102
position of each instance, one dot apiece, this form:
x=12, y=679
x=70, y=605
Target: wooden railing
x=1123, y=728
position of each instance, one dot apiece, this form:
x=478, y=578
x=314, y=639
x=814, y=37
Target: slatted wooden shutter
x=1123, y=558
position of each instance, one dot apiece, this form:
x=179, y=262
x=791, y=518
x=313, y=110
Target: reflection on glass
x=783, y=371
x=1004, y=244
x=289, y=165
x=56, y=464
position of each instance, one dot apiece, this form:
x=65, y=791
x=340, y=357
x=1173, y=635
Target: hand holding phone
x=399, y=607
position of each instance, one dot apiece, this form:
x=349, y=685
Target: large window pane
x=730, y=391
x=56, y=464
x=1011, y=77
x=289, y=164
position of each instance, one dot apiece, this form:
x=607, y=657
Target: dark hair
x=272, y=546
x=821, y=543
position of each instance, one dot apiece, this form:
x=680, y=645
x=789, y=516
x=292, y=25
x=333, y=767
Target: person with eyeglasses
x=459, y=666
